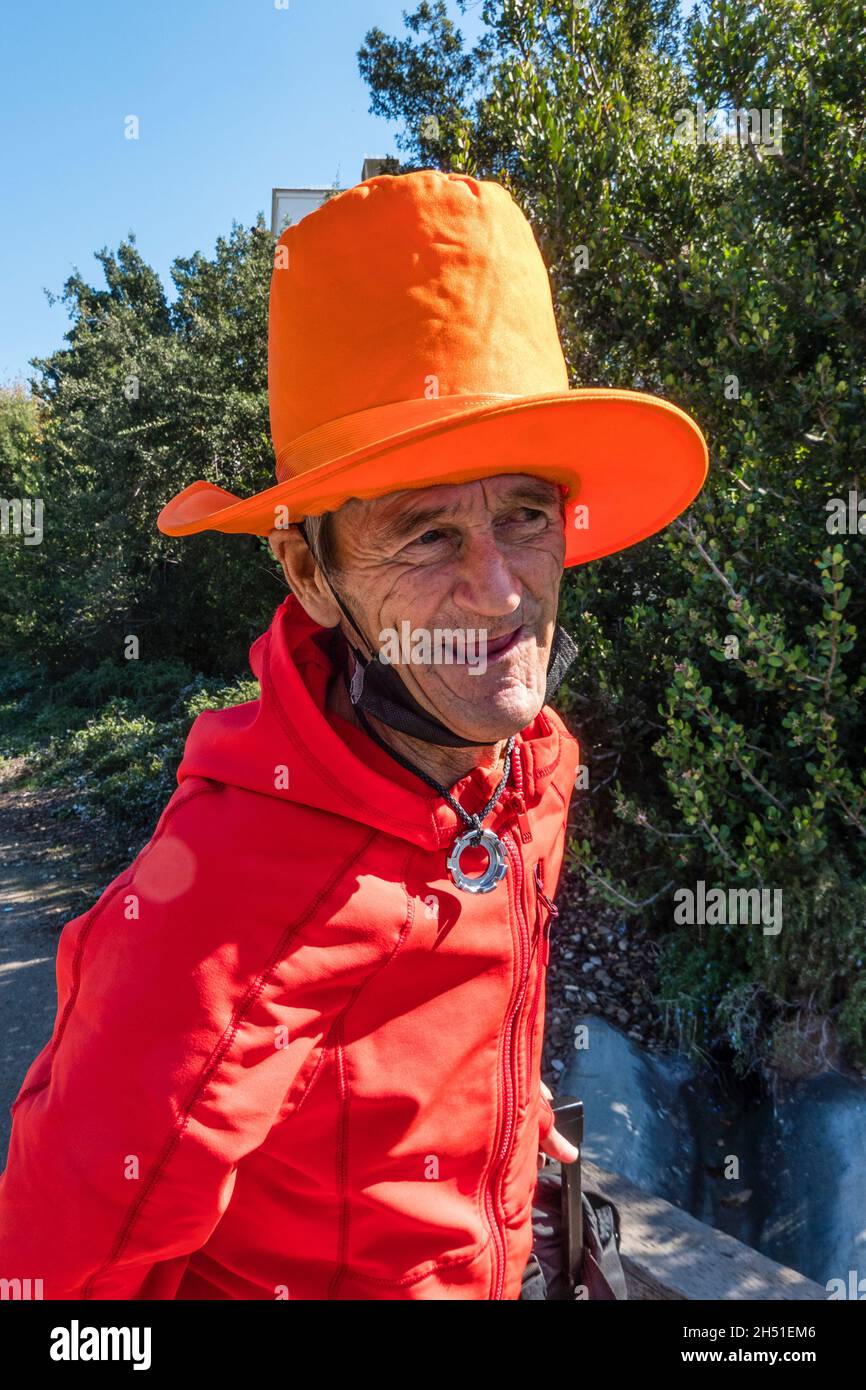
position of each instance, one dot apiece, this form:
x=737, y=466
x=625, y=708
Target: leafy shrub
x=719, y=699
x=122, y=760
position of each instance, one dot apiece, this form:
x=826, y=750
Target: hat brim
x=632, y=462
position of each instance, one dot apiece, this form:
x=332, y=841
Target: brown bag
x=576, y=1231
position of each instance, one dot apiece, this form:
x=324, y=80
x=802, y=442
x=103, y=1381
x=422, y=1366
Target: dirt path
x=46, y=878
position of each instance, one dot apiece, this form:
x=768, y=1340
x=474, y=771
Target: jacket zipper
x=544, y=936
x=494, y=1190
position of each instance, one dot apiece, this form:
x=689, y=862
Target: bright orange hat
x=412, y=341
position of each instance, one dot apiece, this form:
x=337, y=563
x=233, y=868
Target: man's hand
x=555, y=1145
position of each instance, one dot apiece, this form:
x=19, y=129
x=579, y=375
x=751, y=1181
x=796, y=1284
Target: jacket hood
x=288, y=745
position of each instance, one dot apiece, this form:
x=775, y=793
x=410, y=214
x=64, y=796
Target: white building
x=289, y=205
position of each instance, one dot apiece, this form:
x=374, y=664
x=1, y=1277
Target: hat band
x=329, y=442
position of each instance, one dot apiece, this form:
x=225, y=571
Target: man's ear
x=303, y=575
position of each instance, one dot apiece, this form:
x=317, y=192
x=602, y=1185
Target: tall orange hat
x=412, y=341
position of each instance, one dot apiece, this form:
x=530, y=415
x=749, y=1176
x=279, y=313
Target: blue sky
x=234, y=97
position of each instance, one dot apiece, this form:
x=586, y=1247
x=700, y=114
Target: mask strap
x=376, y=688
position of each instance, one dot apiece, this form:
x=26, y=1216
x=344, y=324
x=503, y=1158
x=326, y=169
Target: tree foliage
x=719, y=699
x=720, y=696
x=146, y=396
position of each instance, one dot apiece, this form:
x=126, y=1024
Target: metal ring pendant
x=496, y=862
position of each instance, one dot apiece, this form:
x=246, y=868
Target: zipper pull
x=517, y=798
x=539, y=883
x=552, y=911
x=519, y=806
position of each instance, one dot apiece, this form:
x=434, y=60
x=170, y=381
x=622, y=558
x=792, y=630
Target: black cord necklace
x=497, y=862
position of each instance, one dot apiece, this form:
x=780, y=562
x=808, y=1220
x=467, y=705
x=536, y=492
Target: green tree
x=719, y=700
x=20, y=436
x=145, y=397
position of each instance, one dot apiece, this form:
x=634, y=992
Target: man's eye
x=425, y=540
x=526, y=514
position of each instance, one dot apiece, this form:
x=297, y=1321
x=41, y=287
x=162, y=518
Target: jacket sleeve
x=183, y=1020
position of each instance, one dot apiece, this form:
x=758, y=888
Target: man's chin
x=505, y=712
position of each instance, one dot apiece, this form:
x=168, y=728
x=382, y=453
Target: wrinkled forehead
x=455, y=501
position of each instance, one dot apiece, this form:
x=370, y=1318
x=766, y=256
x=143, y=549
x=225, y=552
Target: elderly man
x=297, y=1046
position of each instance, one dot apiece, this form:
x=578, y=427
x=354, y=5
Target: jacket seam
x=540, y=973
x=432, y=1267
x=341, y=1058
x=323, y=1050
x=355, y=802
x=501, y=1062
x=91, y=919
x=218, y=1054
x=557, y=726
x=342, y=1159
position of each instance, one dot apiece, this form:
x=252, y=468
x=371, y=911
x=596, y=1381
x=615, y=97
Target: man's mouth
x=503, y=644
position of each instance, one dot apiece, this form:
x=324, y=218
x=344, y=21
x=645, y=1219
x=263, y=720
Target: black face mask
x=376, y=688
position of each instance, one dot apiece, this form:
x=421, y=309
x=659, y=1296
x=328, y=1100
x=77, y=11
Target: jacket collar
x=333, y=765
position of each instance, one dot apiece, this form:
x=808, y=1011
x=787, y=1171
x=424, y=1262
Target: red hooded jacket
x=290, y=1058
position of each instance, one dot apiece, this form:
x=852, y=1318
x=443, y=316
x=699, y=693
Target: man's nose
x=486, y=586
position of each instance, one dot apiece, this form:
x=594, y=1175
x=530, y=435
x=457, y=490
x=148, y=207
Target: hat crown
x=404, y=287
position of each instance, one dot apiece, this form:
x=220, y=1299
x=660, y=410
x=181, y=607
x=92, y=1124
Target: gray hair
x=320, y=534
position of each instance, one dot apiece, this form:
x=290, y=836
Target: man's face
x=470, y=562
